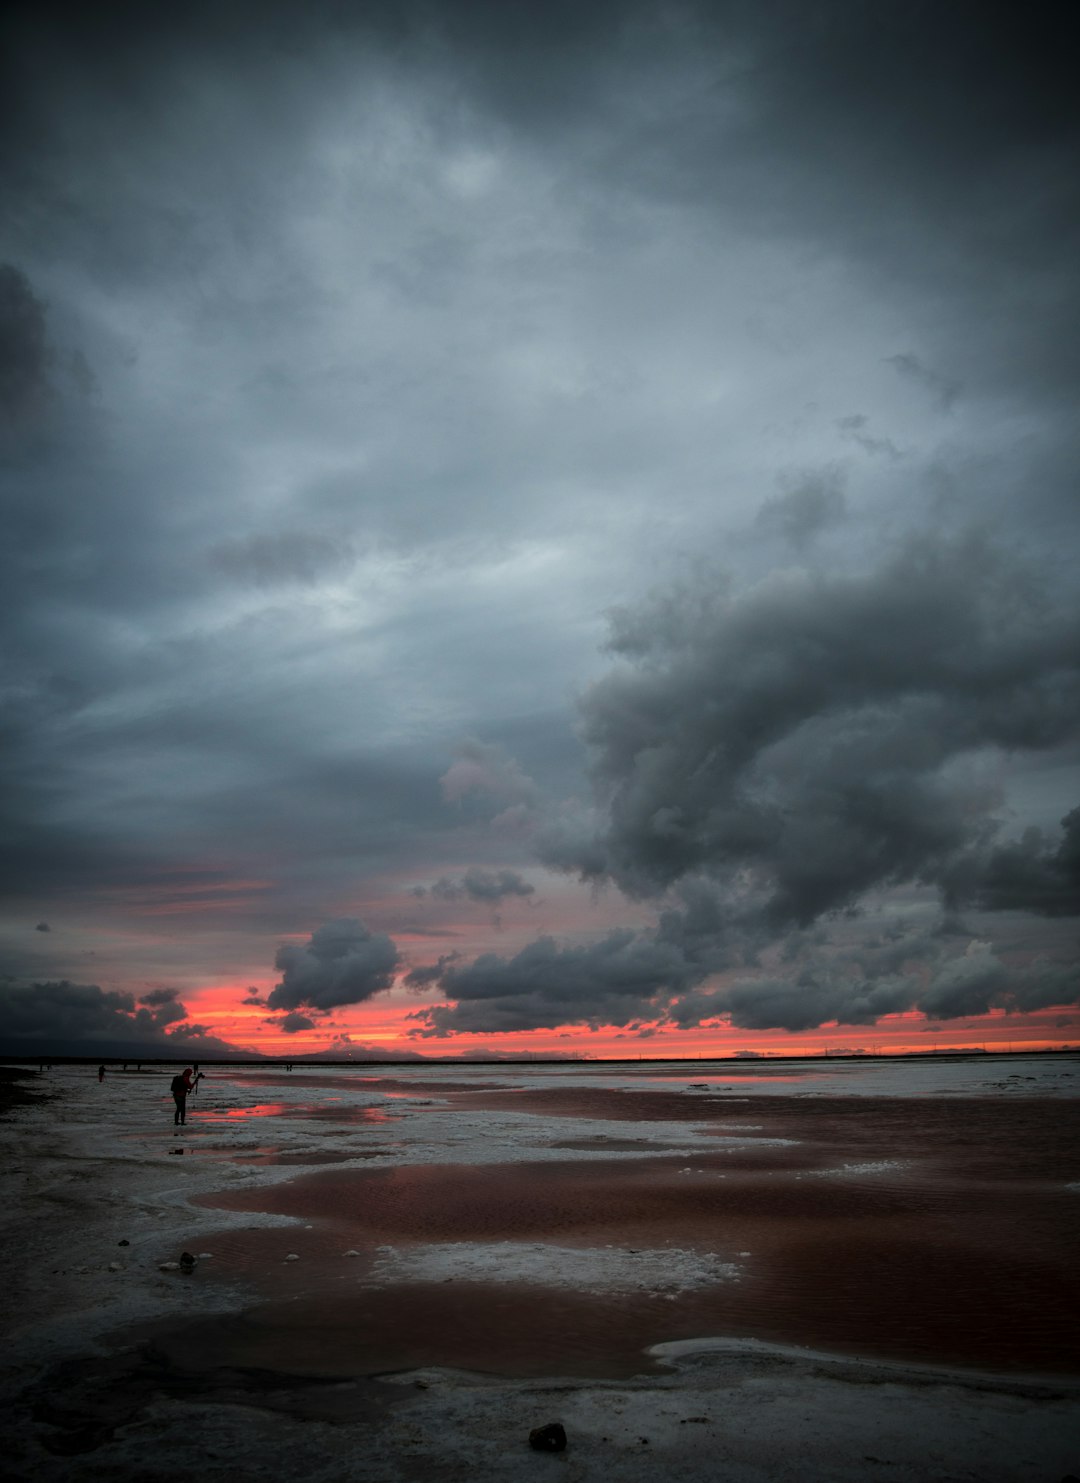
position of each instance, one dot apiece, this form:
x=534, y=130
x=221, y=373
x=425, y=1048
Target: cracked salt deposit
x=668, y=1270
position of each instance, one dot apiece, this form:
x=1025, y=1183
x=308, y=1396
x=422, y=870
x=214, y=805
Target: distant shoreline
x=112, y=1061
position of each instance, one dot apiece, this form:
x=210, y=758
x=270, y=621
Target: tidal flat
x=774, y=1269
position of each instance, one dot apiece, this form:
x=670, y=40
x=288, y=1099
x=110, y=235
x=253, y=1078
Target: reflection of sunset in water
x=334, y=1111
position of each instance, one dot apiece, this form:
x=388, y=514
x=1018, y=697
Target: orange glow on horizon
x=385, y=1024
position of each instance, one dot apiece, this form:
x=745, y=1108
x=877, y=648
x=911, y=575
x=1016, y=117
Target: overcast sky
x=533, y=524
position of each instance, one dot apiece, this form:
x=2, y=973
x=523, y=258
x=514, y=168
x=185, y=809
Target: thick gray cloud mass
x=800, y=741
x=343, y=963
x=1030, y=874
x=616, y=981
x=65, y=1018
x=355, y=361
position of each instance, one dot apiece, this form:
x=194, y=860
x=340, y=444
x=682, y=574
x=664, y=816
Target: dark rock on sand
x=549, y=1438
x=187, y=1262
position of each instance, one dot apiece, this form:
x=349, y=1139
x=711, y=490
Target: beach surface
x=783, y=1271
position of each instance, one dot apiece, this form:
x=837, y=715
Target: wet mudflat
x=928, y=1231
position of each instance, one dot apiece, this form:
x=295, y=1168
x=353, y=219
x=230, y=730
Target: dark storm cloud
x=343, y=963
x=615, y=982
x=1031, y=874
x=778, y=755
x=796, y=1004
x=66, y=1010
x=294, y=1022
x=860, y=986
x=978, y=981
x=70, y=1017
x=798, y=742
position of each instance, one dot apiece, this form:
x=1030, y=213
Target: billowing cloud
x=978, y=981
x=343, y=963
x=860, y=986
x=1031, y=874
x=619, y=980
x=798, y=743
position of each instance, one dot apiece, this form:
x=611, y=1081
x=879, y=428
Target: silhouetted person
x=196, y=1077
x=100, y=1074
x=181, y=1085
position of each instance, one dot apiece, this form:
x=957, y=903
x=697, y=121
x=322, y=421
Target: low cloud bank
x=84, y=1019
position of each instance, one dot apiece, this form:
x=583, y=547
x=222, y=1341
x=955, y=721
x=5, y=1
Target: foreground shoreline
x=87, y=1391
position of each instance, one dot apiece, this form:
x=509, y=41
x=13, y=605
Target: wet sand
x=883, y=1263
x=918, y=1253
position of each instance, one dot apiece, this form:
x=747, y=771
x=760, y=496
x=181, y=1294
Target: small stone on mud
x=115, y=1267
x=549, y=1438
x=187, y=1262
x=168, y=1266
x=292, y=1257
x=350, y=1253
x=125, y=1242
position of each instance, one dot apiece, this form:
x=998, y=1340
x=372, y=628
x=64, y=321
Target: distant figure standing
x=181, y=1085
x=100, y=1074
